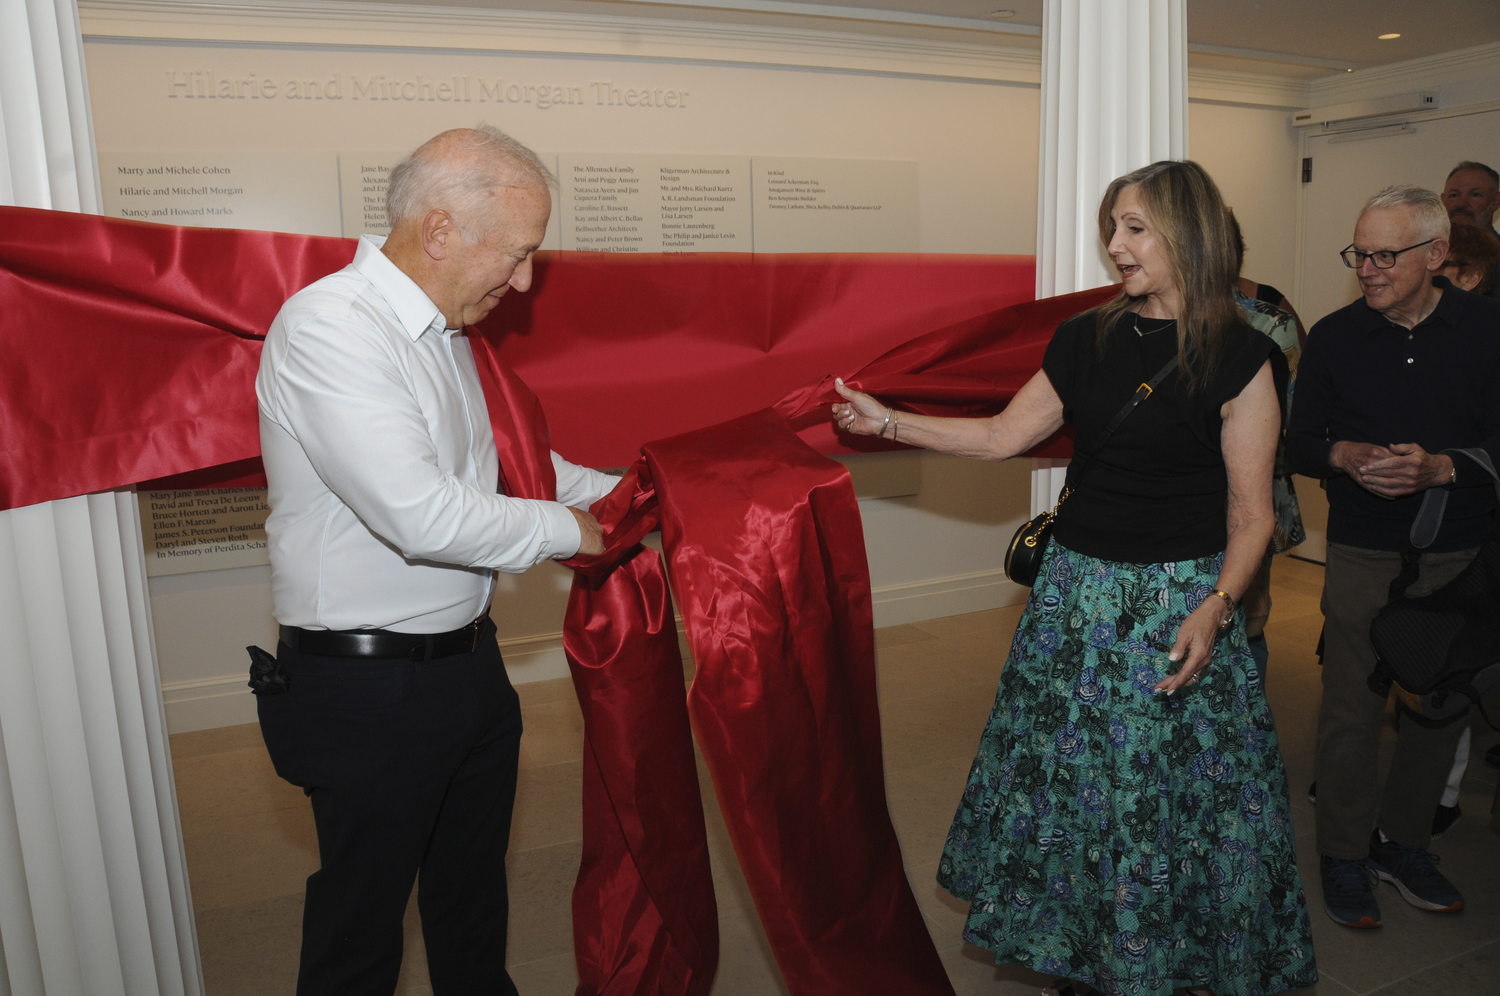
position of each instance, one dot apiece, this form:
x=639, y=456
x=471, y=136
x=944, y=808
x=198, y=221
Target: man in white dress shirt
x=397, y=717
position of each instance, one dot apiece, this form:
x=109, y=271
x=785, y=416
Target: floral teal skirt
x=1129, y=840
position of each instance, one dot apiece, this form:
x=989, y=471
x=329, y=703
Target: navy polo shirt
x=1365, y=379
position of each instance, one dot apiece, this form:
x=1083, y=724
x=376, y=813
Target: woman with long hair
x=1125, y=824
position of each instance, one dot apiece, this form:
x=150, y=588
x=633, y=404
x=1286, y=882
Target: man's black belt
x=383, y=644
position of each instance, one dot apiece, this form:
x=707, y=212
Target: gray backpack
x=1444, y=647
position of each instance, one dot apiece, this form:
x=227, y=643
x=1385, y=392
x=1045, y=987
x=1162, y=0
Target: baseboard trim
x=207, y=703
x=933, y=598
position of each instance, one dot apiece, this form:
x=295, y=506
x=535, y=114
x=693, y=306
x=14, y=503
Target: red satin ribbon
x=618, y=348
x=762, y=534
x=766, y=551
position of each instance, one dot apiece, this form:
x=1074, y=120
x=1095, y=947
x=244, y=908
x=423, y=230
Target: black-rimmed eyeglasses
x=1383, y=259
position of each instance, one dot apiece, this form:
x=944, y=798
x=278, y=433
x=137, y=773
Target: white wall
x=976, y=190
x=967, y=113
x=1251, y=152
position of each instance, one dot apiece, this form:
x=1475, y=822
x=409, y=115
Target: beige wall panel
x=974, y=142
x=1251, y=153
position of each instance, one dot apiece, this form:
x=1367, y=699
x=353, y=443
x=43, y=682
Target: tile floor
x=250, y=839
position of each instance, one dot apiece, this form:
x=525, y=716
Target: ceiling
x=1305, y=38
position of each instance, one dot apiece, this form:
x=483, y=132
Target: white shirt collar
x=414, y=309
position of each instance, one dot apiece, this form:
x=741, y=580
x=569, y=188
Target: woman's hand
x=860, y=415
x=1195, y=644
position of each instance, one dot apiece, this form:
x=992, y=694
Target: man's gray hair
x=456, y=170
x=1426, y=207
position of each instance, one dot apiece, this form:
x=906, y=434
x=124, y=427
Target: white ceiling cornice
x=339, y=24
x=1249, y=89
x=322, y=24
x=1428, y=73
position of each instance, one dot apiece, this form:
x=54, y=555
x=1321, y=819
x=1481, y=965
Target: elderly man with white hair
x=1385, y=385
x=388, y=702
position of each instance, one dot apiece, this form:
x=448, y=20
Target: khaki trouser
x=1355, y=587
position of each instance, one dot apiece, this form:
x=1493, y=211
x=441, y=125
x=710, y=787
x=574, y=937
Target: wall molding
x=990, y=58
x=1427, y=73
x=325, y=24
x=1224, y=86
x=207, y=703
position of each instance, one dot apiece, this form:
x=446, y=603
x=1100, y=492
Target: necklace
x=1170, y=322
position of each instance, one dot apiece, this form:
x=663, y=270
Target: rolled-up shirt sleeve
x=579, y=486
x=343, y=396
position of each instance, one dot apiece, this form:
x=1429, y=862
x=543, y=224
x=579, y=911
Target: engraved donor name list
x=279, y=192
x=604, y=202
x=203, y=530
x=655, y=203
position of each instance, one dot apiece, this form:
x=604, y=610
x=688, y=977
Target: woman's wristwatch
x=1229, y=604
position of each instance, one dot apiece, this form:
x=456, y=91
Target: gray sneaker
x=1349, y=892
x=1412, y=870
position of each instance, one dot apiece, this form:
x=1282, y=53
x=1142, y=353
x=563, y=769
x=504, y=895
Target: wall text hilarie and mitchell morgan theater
x=209, y=84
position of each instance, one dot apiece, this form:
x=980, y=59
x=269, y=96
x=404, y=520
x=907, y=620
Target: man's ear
x=438, y=232
x=1437, y=252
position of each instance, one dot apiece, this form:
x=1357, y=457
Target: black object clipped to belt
x=267, y=676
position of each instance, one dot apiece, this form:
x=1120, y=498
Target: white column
x=93, y=879
x=1114, y=99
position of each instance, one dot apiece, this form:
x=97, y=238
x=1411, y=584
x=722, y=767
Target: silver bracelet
x=887, y=424
x=896, y=427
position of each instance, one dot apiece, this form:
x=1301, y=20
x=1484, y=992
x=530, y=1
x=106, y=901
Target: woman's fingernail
x=1173, y=656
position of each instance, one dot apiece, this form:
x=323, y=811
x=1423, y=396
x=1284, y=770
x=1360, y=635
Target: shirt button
x=1408, y=336
x=1410, y=360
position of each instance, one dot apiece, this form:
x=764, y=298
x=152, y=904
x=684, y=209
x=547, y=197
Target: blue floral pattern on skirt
x=1132, y=841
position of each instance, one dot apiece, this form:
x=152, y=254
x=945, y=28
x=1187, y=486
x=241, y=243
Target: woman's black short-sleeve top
x=1157, y=491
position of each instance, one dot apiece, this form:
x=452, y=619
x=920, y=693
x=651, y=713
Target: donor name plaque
x=655, y=203
x=278, y=192
x=835, y=205
x=604, y=202
x=205, y=530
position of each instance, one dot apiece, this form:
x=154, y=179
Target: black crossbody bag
x=1024, y=557
x=1442, y=648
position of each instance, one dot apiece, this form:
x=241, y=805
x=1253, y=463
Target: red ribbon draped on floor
x=130, y=354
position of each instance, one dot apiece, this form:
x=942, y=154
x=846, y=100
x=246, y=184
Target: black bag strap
x=1424, y=528
x=1141, y=394
x=1429, y=520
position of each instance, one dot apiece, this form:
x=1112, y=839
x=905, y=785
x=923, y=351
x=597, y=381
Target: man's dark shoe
x=1413, y=871
x=1349, y=892
x=1444, y=818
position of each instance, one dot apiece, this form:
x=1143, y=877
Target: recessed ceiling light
x=1389, y=37
x=1002, y=15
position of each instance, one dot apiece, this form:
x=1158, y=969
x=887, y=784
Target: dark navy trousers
x=411, y=767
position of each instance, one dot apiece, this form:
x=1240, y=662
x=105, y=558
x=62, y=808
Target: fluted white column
x=1114, y=99
x=93, y=879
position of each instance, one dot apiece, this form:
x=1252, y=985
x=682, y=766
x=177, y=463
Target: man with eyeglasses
x=1385, y=385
